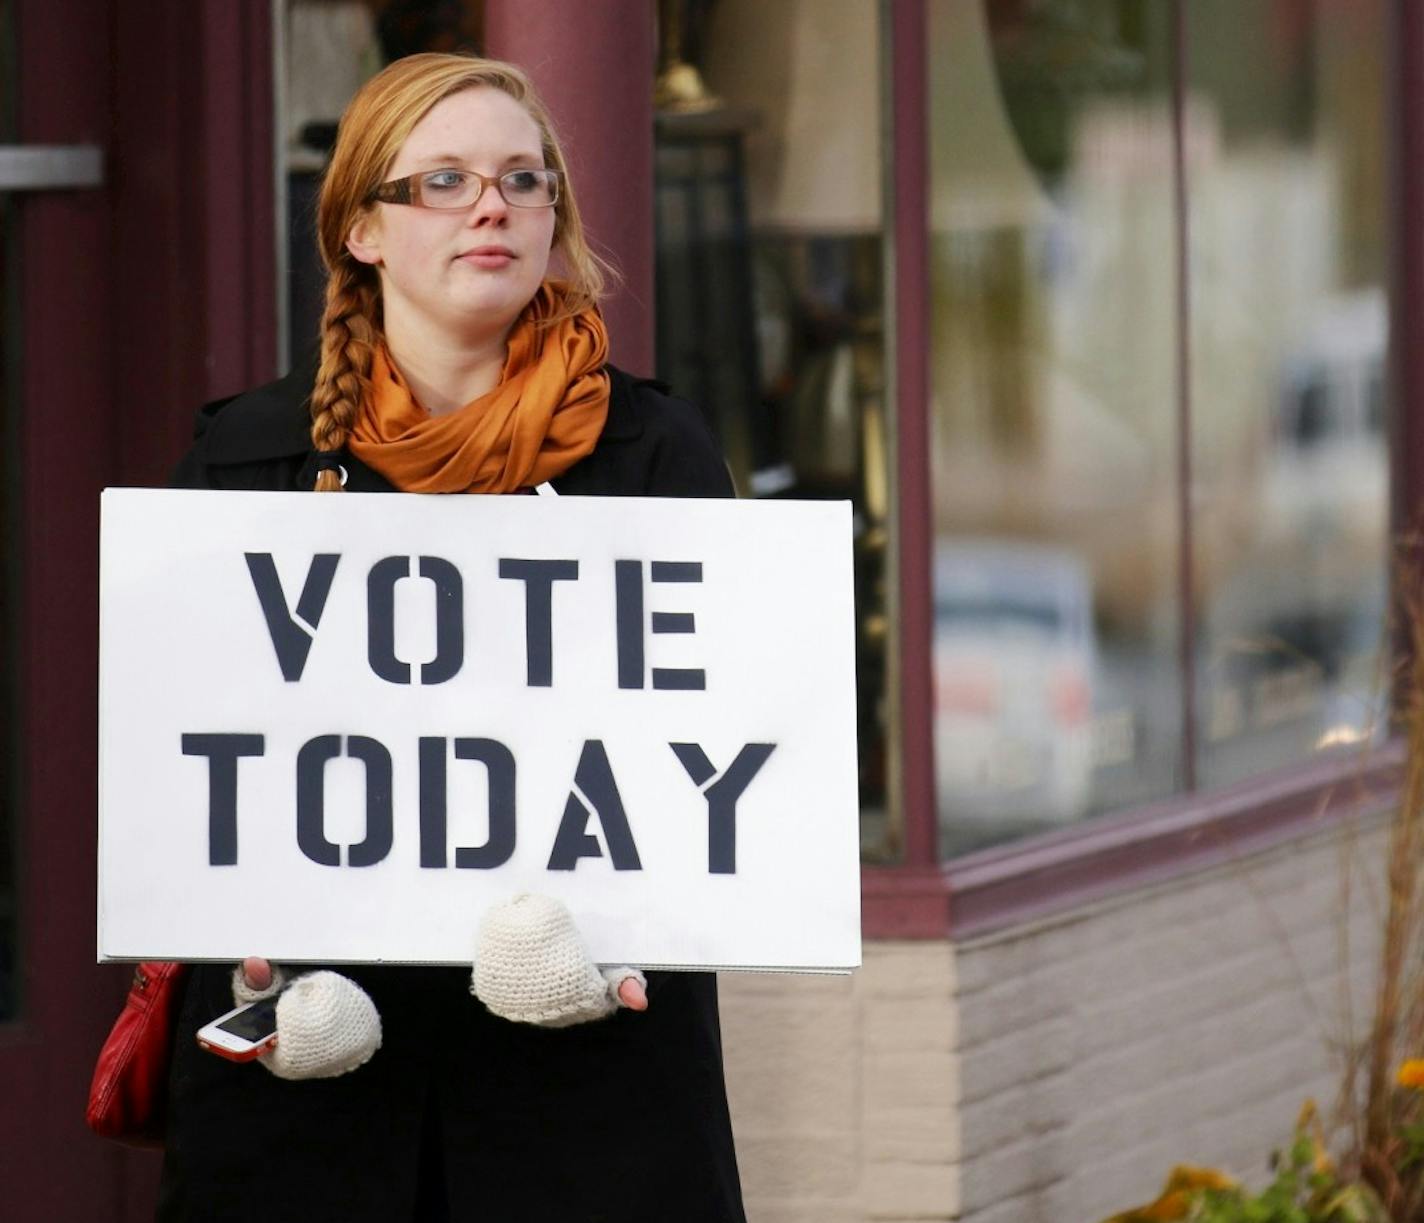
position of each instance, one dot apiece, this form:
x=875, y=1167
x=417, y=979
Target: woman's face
x=466, y=272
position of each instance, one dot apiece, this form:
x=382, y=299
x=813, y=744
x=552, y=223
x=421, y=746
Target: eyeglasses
x=463, y=188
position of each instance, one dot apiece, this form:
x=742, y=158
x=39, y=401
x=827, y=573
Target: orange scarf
x=546, y=413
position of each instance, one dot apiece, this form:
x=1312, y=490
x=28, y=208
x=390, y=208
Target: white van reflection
x=1298, y=628
x=1015, y=667
x=1325, y=494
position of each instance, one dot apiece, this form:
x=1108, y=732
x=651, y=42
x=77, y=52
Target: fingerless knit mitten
x=326, y=1024
x=531, y=966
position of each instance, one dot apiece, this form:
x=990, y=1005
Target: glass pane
x=1056, y=637
x=770, y=284
x=1289, y=325
x=9, y=538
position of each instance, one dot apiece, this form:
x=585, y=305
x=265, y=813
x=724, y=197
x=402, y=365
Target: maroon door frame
x=137, y=301
x=63, y=307
x=911, y=899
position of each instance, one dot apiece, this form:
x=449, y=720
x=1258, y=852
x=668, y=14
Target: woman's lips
x=488, y=257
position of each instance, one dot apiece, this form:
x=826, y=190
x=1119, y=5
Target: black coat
x=622, y=1121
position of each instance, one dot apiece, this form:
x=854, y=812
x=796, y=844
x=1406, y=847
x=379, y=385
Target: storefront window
x=1289, y=326
x=770, y=280
x=1056, y=595
x=1080, y=667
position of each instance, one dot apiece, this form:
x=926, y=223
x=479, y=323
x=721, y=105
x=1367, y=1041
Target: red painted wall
x=137, y=301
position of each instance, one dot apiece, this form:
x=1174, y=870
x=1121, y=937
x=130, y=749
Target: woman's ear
x=364, y=239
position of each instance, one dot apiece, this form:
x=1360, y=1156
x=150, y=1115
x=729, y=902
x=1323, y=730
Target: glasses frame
x=407, y=190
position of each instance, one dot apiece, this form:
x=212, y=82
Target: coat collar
x=271, y=422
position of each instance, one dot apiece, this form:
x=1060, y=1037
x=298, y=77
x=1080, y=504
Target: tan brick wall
x=1185, y=1024
x=843, y=1090
x=1052, y=1074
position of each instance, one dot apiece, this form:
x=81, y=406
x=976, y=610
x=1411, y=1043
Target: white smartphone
x=244, y=1033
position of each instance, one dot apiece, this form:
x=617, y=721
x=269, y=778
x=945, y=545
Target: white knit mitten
x=531, y=966
x=326, y=1025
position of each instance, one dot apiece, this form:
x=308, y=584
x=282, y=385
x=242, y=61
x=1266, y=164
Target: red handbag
x=130, y=1087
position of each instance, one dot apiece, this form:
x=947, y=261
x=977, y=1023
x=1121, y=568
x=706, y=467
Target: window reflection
x=1056, y=400
x=1058, y=691
x=1015, y=669
x=770, y=308
x=1289, y=334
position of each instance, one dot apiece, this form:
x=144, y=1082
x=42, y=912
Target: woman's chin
x=496, y=299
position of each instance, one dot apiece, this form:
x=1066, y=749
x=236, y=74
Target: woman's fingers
x=257, y=972
x=632, y=995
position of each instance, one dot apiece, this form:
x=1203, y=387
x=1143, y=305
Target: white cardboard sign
x=336, y=728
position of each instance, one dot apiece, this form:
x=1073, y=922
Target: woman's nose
x=490, y=208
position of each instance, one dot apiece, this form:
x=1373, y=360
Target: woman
x=451, y=362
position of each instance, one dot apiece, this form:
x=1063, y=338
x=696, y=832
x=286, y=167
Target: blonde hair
x=375, y=125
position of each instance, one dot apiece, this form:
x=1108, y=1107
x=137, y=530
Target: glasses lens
x=530, y=188
x=449, y=189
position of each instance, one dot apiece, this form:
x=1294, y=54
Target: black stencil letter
x=722, y=797
x=628, y=604
x=499, y=762
x=381, y=619
x=593, y=780
x=311, y=800
x=539, y=578
x=292, y=635
x=223, y=752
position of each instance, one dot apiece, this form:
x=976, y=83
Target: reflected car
x=1324, y=510
x=1015, y=665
